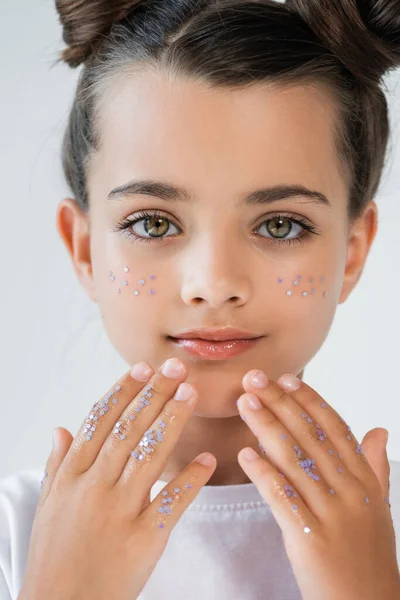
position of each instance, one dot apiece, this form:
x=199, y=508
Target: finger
x=100, y=421
x=338, y=443
x=340, y=432
x=139, y=415
x=286, y=452
x=147, y=461
x=374, y=445
x=163, y=513
x=289, y=509
x=62, y=440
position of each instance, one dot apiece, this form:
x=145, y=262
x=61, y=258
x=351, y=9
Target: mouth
x=213, y=350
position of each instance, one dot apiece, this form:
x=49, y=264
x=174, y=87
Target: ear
x=73, y=226
x=361, y=236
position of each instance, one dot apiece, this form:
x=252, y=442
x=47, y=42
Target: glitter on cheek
x=305, y=293
x=125, y=283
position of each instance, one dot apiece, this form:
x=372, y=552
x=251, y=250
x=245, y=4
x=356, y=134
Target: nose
x=215, y=276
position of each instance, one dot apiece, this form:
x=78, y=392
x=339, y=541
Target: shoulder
x=19, y=496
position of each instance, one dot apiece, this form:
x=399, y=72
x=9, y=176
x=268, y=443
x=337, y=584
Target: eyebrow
x=174, y=193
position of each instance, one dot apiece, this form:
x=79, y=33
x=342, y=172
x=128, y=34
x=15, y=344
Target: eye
x=281, y=226
x=153, y=228
x=155, y=225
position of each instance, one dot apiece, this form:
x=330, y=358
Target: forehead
x=203, y=137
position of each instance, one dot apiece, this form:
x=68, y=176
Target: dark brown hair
x=346, y=45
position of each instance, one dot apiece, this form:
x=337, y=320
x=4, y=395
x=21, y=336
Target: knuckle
x=281, y=396
x=311, y=435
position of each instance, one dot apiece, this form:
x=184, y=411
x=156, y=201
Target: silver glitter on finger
x=120, y=430
x=168, y=503
x=306, y=463
x=321, y=434
x=306, y=530
x=358, y=449
x=289, y=293
x=126, y=269
x=99, y=409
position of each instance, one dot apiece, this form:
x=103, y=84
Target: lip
x=215, y=350
x=215, y=334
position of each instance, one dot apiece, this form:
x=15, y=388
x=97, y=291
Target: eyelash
x=126, y=223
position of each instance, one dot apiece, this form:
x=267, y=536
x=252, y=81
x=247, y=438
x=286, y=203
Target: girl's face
x=213, y=260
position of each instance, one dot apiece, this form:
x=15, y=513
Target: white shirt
x=226, y=546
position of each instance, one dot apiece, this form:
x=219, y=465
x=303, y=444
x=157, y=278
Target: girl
x=253, y=136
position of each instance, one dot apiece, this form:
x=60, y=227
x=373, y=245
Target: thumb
x=62, y=440
x=374, y=446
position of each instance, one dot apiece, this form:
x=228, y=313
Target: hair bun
x=85, y=24
x=364, y=34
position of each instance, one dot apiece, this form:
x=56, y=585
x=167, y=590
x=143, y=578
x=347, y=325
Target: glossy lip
x=216, y=334
x=215, y=350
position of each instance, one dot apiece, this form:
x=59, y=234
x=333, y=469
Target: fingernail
x=141, y=372
x=184, y=392
x=249, y=454
x=173, y=368
x=259, y=380
x=205, y=459
x=253, y=402
x=289, y=382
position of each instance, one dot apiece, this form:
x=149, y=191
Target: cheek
x=130, y=300
x=304, y=306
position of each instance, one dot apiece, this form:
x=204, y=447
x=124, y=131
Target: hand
x=95, y=534
x=329, y=502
